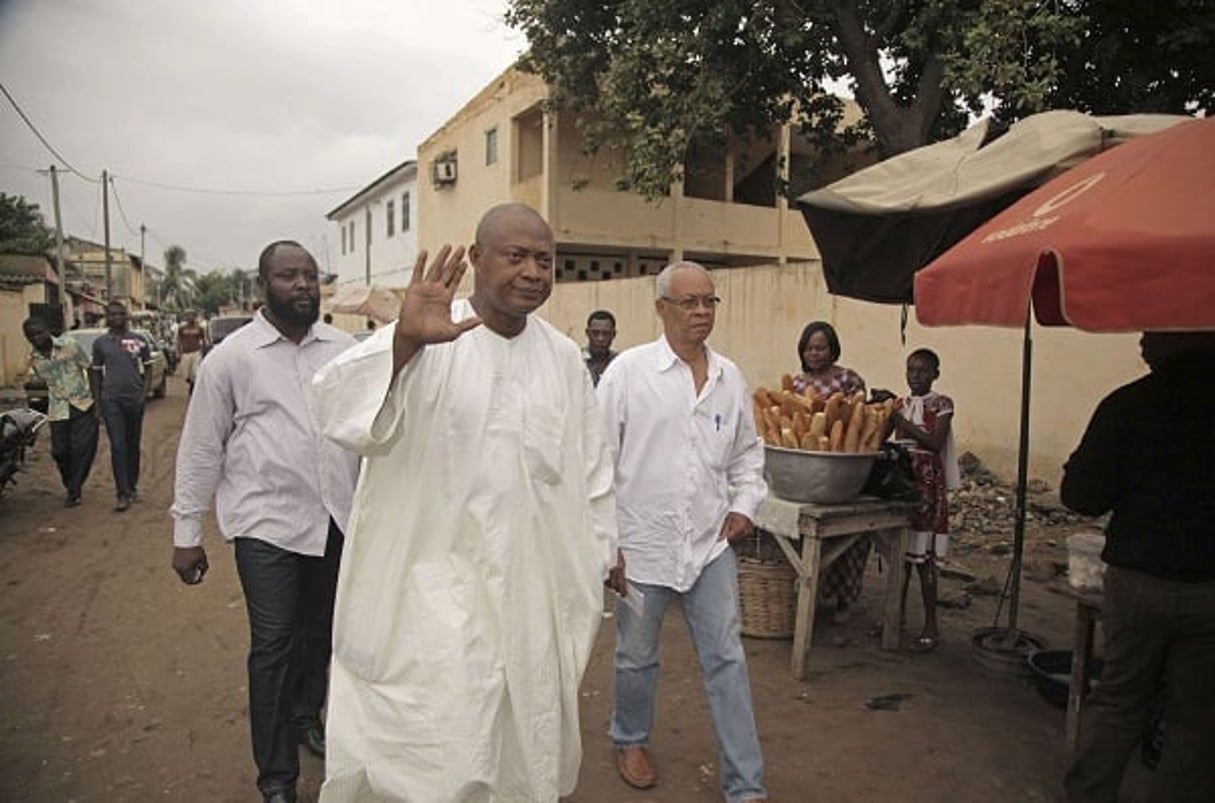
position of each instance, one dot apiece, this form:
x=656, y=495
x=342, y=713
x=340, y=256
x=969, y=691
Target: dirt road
x=121, y=684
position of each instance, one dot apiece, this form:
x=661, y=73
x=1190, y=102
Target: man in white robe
x=483, y=526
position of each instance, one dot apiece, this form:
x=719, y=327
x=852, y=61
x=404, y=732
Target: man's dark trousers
x=1156, y=632
x=289, y=599
x=124, y=425
x=73, y=445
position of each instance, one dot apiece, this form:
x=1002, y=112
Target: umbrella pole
x=1027, y=349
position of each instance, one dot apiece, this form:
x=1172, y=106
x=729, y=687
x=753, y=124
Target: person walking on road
x=121, y=379
x=689, y=480
x=191, y=346
x=282, y=493
x=61, y=362
x=483, y=528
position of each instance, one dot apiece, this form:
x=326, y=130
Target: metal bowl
x=824, y=478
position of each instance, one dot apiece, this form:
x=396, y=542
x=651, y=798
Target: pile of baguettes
x=837, y=423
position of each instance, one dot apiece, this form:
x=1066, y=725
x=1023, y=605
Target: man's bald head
x=493, y=221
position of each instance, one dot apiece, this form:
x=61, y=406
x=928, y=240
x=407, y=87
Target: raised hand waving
x=425, y=314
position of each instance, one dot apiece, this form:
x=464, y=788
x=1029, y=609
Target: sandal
x=924, y=644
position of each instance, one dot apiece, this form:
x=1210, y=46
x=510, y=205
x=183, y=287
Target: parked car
x=221, y=326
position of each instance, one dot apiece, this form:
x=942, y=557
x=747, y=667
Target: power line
x=216, y=191
x=122, y=212
x=30, y=123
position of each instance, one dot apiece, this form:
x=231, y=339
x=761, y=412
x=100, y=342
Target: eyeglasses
x=689, y=303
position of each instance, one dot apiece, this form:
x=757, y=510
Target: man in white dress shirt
x=484, y=524
x=282, y=493
x=689, y=479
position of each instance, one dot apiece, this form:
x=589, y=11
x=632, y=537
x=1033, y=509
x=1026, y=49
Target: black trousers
x=124, y=425
x=1156, y=631
x=289, y=599
x=73, y=445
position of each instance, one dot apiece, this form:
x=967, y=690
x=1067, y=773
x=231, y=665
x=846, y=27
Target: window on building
x=391, y=217
x=405, y=212
x=352, y=240
x=343, y=238
x=491, y=146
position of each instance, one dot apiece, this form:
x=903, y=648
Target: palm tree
x=178, y=284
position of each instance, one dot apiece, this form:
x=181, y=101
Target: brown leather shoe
x=636, y=767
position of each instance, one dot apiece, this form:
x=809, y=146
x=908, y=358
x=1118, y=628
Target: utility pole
x=105, y=215
x=143, y=266
x=58, y=232
x=368, y=249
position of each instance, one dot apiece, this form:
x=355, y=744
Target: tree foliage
x=1137, y=57
x=22, y=228
x=177, y=286
x=655, y=77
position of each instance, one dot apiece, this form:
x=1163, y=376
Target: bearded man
x=282, y=493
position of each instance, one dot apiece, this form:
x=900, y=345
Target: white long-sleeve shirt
x=683, y=461
x=250, y=443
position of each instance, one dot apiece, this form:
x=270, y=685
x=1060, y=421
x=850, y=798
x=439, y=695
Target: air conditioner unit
x=444, y=172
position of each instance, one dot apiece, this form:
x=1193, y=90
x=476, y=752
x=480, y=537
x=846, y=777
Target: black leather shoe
x=312, y=739
x=281, y=796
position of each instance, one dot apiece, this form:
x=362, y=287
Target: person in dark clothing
x=600, y=332
x=121, y=377
x=1147, y=456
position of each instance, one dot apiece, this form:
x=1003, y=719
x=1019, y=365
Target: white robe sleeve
x=357, y=402
x=600, y=477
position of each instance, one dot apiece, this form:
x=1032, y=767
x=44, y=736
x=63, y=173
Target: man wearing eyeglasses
x=689, y=478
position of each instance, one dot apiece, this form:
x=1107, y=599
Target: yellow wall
x=14, y=348
x=765, y=308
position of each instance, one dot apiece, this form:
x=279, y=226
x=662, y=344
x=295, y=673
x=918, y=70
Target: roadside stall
x=1120, y=243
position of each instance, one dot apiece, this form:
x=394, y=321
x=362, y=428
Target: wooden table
x=1088, y=611
x=814, y=536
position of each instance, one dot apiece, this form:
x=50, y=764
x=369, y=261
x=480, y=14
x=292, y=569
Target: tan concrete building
x=503, y=145
x=85, y=262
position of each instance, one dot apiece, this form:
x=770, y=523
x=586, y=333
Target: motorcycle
x=18, y=429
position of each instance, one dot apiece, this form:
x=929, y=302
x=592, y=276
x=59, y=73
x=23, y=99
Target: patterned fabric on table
x=839, y=379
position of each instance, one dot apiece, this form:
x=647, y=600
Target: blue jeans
x=1157, y=632
x=124, y=425
x=710, y=608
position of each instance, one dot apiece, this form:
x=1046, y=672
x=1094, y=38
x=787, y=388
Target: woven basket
x=767, y=588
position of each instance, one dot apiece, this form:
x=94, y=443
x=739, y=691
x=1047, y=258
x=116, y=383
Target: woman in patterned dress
x=819, y=350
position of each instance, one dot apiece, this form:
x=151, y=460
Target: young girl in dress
x=923, y=422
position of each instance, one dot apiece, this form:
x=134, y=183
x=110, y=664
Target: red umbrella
x=1125, y=241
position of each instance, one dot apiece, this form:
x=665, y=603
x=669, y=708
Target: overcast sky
x=231, y=95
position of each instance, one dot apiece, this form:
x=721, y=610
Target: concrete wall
x=14, y=348
x=765, y=308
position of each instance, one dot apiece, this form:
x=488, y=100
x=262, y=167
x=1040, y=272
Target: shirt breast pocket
x=718, y=435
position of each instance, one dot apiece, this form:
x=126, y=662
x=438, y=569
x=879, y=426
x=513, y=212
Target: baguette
x=852, y=434
x=788, y=439
x=836, y=439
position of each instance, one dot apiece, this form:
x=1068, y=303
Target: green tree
x=22, y=228
x=213, y=291
x=1134, y=57
x=654, y=77
x=177, y=287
